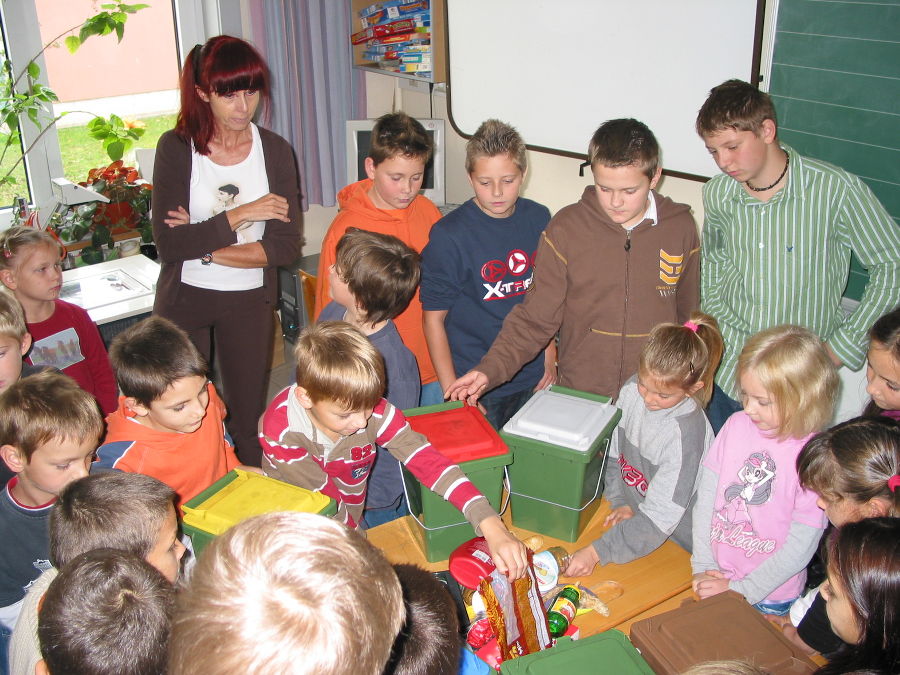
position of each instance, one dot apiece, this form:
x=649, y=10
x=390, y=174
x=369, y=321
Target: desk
x=647, y=582
x=115, y=293
x=112, y=290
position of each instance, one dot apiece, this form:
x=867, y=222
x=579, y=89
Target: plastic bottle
x=549, y=565
x=562, y=611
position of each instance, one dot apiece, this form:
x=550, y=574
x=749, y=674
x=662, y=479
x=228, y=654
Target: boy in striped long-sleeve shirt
x=778, y=232
x=321, y=434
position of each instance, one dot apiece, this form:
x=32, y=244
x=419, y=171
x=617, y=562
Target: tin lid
x=459, y=434
x=250, y=494
x=471, y=562
x=561, y=419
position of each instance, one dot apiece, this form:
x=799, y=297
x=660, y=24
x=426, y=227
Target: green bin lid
x=561, y=419
x=609, y=652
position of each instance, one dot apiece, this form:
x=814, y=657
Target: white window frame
x=195, y=21
x=43, y=161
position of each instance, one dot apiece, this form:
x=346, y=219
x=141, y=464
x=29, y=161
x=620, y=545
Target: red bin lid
x=459, y=434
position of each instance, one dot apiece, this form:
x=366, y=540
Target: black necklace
x=787, y=158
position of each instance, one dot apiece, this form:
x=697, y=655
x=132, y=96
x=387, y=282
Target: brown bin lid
x=724, y=626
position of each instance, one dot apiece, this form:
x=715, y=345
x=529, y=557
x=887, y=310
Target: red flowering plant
x=128, y=209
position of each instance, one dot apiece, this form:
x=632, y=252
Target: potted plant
x=128, y=211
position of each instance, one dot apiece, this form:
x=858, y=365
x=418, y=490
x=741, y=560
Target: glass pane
x=135, y=79
x=10, y=144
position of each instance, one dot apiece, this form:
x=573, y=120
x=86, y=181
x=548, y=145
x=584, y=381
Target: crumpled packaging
x=516, y=613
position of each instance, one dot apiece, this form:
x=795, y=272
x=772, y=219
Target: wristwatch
x=206, y=259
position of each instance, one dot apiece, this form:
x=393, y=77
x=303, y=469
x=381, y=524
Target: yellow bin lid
x=250, y=494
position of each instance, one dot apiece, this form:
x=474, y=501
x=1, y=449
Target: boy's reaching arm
x=507, y=552
x=875, y=239
x=439, y=346
x=446, y=479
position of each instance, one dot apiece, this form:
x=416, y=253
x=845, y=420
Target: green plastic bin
x=556, y=490
x=457, y=431
x=241, y=494
x=608, y=653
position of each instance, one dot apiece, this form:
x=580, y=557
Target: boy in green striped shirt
x=777, y=237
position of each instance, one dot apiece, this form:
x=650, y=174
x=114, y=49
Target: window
x=103, y=77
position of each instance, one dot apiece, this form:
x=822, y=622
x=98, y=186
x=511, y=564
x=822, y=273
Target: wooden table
x=646, y=582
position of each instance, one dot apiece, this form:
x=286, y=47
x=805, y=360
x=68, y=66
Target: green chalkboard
x=835, y=81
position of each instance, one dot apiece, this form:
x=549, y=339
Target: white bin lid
x=561, y=419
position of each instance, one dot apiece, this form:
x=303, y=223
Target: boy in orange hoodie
x=170, y=421
x=388, y=202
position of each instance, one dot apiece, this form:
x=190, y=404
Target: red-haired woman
x=225, y=215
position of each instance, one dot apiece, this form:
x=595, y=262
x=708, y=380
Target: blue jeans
x=721, y=407
x=774, y=608
x=432, y=394
x=376, y=517
x=500, y=409
x=5, y=634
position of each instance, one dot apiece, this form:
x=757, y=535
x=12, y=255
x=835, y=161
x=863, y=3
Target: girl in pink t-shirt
x=755, y=527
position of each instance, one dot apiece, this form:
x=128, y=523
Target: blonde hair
x=12, y=318
x=336, y=362
x=729, y=667
x=681, y=355
x=287, y=593
x=45, y=406
x=494, y=138
x=19, y=238
x=792, y=365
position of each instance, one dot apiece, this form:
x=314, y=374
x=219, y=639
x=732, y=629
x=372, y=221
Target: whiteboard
x=557, y=70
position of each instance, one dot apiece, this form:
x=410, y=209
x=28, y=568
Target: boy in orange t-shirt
x=388, y=202
x=170, y=421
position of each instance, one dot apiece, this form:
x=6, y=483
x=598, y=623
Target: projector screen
x=557, y=70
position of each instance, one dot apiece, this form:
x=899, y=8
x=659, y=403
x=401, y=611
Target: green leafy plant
x=23, y=95
x=116, y=134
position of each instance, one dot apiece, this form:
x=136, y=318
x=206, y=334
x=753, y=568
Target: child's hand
x=467, y=388
x=251, y=469
x=709, y=583
x=508, y=553
x=618, y=515
x=582, y=562
x=780, y=621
